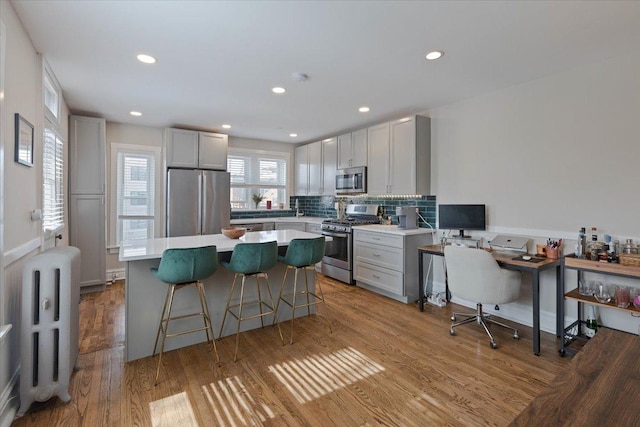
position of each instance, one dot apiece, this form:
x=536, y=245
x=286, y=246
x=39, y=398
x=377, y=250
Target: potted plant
x=257, y=198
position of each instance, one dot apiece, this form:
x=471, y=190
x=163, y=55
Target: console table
x=600, y=386
x=506, y=260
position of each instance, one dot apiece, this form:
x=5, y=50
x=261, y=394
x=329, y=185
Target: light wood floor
x=384, y=364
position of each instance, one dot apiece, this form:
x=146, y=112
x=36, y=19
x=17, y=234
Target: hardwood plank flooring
x=385, y=364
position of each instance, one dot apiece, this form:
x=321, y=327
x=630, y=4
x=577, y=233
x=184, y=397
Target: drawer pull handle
x=375, y=276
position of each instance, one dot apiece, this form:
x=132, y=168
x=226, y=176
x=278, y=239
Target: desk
x=505, y=260
x=600, y=386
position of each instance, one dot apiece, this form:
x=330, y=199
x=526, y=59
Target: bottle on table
x=582, y=243
x=592, y=322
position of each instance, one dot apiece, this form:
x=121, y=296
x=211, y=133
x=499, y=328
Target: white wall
x=548, y=157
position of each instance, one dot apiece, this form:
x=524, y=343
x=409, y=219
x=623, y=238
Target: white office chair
x=474, y=275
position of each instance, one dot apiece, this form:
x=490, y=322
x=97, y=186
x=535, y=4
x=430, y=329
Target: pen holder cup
x=552, y=253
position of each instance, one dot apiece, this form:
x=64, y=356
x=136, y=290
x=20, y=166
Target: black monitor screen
x=461, y=217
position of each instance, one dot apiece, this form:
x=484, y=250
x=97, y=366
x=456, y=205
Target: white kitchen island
x=144, y=294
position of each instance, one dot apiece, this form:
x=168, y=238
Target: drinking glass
x=622, y=296
x=587, y=288
x=602, y=293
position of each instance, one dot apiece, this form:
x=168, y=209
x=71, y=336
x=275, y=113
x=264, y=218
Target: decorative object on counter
x=257, y=198
x=233, y=232
x=268, y=204
x=553, y=248
x=582, y=243
x=541, y=251
x=601, y=293
x=623, y=296
x=629, y=247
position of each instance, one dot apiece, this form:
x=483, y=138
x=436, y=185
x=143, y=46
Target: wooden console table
x=600, y=387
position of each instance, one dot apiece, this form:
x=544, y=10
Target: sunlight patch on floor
x=314, y=376
x=174, y=410
x=233, y=405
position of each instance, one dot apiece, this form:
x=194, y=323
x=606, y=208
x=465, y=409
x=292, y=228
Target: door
x=183, y=202
x=216, y=202
x=87, y=219
x=86, y=155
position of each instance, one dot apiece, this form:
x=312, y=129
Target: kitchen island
x=144, y=294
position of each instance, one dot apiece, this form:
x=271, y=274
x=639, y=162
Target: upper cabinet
x=399, y=157
x=87, y=166
x=193, y=149
x=315, y=168
x=352, y=149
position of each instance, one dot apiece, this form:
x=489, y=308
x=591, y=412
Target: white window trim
x=48, y=72
x=113, y=194
x=284, y=154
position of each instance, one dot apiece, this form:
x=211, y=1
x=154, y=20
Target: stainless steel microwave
x=351, y=180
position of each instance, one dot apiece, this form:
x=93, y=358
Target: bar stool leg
x=293, y=306
x=273, y=308
x=284, y=280
x=164, y=334
x=259, y=299
x=164, y=309
x=207, y=319
x=226, y=308
x=235, y=354
x=306, y=285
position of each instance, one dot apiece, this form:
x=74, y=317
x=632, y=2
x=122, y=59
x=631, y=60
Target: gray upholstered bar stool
x=180, y=268
x=251, y=259
x=303, y=254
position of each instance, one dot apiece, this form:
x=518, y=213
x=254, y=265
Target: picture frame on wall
x=24, y=141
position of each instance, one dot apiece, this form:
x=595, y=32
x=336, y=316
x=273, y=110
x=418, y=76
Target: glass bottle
x=594, y=247
x=592, y=323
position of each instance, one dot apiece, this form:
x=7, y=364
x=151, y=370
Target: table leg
x=559, y=301
x=536, y=312
x=420, y=280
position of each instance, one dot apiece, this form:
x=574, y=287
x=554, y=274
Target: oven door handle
x=330, y=234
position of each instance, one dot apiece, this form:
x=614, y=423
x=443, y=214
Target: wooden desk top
x=504, y=258
x=600, y=387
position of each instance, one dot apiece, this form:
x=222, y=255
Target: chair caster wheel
x=493, y=344
x=516, y=336
x=453, y=318
x=452, y=332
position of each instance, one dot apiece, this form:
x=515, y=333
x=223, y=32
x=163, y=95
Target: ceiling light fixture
x=364, y=109
x=436, y=54
x=293, y=135
x=136, y=113
x=278, y=90
x=299, y=77
x=147, y=59
x=226, y=126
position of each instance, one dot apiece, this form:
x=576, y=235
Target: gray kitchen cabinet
x=386, y=263
x=329, y=159
x=87, y=164
x=87, y=233
x=313, y=227
x=298, y=226
x=87, y=219
x=399, y=157
x=315, y=168
x=301, y=166
x=352, y=149
x=314, y=160
x=192, y=149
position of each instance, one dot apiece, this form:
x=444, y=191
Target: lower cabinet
x=388, y=263
x=87, y=233
x=298, y=226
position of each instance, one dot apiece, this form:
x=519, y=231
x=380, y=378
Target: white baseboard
x=9, y=401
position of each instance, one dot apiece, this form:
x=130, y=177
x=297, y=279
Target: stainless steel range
x=338, y=260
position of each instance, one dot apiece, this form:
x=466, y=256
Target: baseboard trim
x=115, y=274
x=9, y=401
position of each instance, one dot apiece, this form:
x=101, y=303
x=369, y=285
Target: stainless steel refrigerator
x=198, y=202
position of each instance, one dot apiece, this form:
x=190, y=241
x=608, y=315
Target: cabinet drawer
x=388, y=280
x=383, y=256
x=378, y=238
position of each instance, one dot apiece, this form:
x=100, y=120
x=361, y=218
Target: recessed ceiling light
x=226, y=126
x=293, y=135
x=326, y=140
x=147, y=59
x=434, y=55
x=278, y=89
x=136, y=113
x=364, y=109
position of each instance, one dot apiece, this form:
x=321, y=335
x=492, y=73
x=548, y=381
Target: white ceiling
x=217, y=61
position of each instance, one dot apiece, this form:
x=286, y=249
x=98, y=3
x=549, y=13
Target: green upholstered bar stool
x=303, y=254
x=180, y=268
x=251, y=259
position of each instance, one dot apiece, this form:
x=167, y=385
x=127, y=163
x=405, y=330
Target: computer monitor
x=462, y=217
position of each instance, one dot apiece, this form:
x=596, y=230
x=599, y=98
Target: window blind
x=135, y=195
x=53, y=188
x=261, y=173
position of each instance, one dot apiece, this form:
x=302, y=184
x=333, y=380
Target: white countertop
x=393, y=229
x=305, y=219
x=133, y=250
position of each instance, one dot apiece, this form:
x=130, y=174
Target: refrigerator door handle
x=201, y=191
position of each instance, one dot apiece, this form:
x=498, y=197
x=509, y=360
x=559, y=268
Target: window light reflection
x=232, y=404
x=172, y=411
x=315, y=376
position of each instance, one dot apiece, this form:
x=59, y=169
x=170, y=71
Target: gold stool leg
x=259, y=299
x=235, y=354
x=226, y=308
x=164, y=334
x=293, y=306
x=306, y=285
x=207, y=318
x=164, y=309
x=273, y=307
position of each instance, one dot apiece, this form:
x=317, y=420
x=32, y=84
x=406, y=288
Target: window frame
x=254, y=155
x=58, y=181
x=117, y=148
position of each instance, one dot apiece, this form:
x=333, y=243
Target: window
x=257, y=172
x=53, y=187
x=135, y=205
x=52, y=156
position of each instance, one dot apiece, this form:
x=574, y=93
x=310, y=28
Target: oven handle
x=331, y=234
